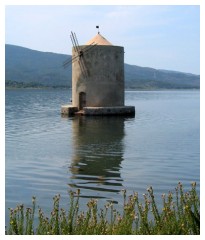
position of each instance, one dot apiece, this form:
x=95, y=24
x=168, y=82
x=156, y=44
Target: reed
x=180, y=214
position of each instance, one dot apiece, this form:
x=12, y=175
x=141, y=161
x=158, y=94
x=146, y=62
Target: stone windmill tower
x=97, y=79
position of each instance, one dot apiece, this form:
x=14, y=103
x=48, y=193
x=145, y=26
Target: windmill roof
x=99, y=40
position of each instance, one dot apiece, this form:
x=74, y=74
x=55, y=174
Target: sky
x=158, y=36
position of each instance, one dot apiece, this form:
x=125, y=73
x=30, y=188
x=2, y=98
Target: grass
x=180, y=214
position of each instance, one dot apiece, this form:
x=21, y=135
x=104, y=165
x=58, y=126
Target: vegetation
x=14, y=85
x=180, y=215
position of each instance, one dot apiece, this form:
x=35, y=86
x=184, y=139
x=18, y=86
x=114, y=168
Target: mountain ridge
x=26, y=67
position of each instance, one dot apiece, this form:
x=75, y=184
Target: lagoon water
x=47, y=154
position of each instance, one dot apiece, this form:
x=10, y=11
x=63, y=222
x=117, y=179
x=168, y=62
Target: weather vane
x=98, y=29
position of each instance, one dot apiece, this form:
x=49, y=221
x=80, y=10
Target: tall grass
x=180, y=214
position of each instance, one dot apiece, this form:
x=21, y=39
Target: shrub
x=180, y=214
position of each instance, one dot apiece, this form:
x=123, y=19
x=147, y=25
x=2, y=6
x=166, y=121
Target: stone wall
x=100, y=75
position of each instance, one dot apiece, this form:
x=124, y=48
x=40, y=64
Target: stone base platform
x=68, y=110
x=98, y=111
x=124, y=110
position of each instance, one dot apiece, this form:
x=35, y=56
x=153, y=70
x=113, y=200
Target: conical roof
x=99, y=40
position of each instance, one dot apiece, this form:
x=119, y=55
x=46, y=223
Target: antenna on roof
x=98, y=29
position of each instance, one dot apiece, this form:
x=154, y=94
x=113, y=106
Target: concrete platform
x=124, y=110
x=69, y=110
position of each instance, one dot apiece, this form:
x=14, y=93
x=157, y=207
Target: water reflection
x=98, y=152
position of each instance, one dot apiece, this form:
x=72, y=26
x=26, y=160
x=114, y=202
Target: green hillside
x=30, y=68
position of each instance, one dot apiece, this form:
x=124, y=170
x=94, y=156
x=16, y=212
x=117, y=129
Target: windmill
x=79, y=54
x=97, y=78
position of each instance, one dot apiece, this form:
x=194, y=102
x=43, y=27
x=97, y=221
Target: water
x=47, y=154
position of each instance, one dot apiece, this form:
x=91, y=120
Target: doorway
x=82, y=100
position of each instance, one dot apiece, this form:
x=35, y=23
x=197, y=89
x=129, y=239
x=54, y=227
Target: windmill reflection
x=98, y=153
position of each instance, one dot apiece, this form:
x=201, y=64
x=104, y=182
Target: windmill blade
x=77, y=46
x=80, y=52
x=88, y=48
x=73, y=59
x=76, y=49
x=66, y=63
x=82, y=61
x=73, y=43
x=70, y=61
x=76, y=40
x=84, y=67
x=81, y=64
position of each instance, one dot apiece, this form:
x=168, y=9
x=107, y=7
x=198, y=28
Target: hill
x=29, y=68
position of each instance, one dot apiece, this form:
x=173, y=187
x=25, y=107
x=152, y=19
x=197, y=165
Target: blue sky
x=162, y=37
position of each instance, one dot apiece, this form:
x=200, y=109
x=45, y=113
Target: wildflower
x=186, y=207
x=53, y=213
x=62, y=210
x=193, y=184
x=135, y=195
x=136, y=216
x=180, y=184
x=71, y=193
x=123, y=190
x=107, y=206
x=92, y=203
x=78, y=192
x=163, y=195
x=11, y=210
x=147, y=202
x=132, y=215
x=29, y=210
x=21, y=206
x=149, y=189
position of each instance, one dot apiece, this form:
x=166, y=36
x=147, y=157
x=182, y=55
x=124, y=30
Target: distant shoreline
x=10, y=84
x=68, y=88
x=36, y=88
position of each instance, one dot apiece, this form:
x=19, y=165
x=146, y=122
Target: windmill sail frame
x=79, y=54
